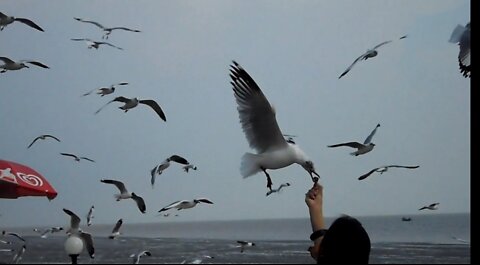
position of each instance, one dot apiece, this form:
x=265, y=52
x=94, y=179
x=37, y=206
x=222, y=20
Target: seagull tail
x=249, y=166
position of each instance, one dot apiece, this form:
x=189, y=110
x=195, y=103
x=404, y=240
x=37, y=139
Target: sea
x=425, y=239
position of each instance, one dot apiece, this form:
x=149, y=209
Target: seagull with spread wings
x=116, y=230
x=6, y=20
x=257, y=117
x=384, y=169
x=125, y=194
x=158, y=170
x=130, y=103
x=10, y=65
x=4, y=233
x=43, y=137
x=102, y=91
x=77, y=158
x=106, y=31
x=244, y=244
x=96, y=44
x=364, y=148
x=461, y=35
x=433, y=206
x=75, y=230
x=185, y=204
x=136, y=257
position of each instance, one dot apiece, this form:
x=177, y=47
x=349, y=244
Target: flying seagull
x=131, y=103
x=383, y=169
x=106, y=31
x=278, y=189
x=244, y=244
x=461, y=35
x=43, y=137
x=6, y=20
x=10, y=65
x=364, y=148
x=13, y=234
x=433, y=206
x=44, y=233
x=116, y=230
x=124, y=194
x=260, y=126
x=136, y=257
x=96, y=44
x=105, y=90
x=368, y=54
x=18, y=256
x=185, y=204
x=90, y=215
x=165, y=164
x=75, y=230
x=77, y=158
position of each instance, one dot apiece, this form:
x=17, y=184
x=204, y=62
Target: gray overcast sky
x=294, y=50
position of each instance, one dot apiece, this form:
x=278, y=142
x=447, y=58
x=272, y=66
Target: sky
x=294, y=50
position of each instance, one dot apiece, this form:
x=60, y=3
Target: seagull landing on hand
x=131, y=103
x=364, y=148
x=6, y=20
x=136, y=257
x=43, y=137
x=77, y=158
x=461, y=35
x=106, y=31
x=370, y=53
x=124, y=194
x=260, y=126
x=433, y=206
x=106, y=90
x=278, y=189
x=185, y=204
x=165, y=164
x=10, y=65
x=96, y=44
x=383, y=169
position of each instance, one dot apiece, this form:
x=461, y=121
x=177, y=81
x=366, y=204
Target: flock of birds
x=258, y=121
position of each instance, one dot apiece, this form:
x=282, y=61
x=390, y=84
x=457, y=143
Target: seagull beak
x=315, y=179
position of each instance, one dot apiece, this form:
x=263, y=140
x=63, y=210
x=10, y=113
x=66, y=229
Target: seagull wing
x=29, y=23
x=381, y=44
x=369, y=138
x=154, y=105
x=351, y=66
x=140, y=202
x=117, y=183
x=88, y=240
x=6, y=60
x=256, y=114
x=204, y=200
x=33, y=141
x=82, y=39
x=120, y=99
x=350, y=144
x=120, y=84
x=67, y=154
x=38, y=64
x=124, y=28
x=423, y=208
x=364, y=176
x=179, y=159
x=117, y=226
x=464, y=54
x=86, y=158
x=74, y=219
x=457, y=34
x=89, y=92
x=19, y=254
x=90, y=216
x=14, y=235
x=172, y=205
x=51, y=136
x=3, y=16
x=109, y=44
x=411, y=167
x=152, y=172
x=89, y=21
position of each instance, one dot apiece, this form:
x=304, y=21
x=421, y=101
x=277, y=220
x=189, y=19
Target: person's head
x=345, y=241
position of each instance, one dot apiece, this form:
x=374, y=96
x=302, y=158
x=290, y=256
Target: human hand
x=314, y=196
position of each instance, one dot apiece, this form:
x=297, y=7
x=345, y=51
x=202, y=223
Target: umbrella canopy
x=17, y=180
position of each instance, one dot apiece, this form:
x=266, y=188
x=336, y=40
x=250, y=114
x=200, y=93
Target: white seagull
x=6, y=20
x=18, y=256
x=131, y=103
x=10, y=65
x=90, y=215
x=96, y=44
x=75, y=230
x=433, y=206
x=106, y=31
x=260, y=126
x=278, y=189
x=244, y=244
x=136, y=257
x=461, y=35
x=116, y=230
x=165, y=164
x=124, y=194
x=364, y=148
x=185, y=204
x=77, y=158
x=43, y=137
x=383, y=169
x=102, y=91
x=368, y=54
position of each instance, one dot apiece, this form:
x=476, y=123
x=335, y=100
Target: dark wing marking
x=33, y=141
x=89, y=21
x=29, y=23
x=364, y=176
x=179, y=159
x=404, y=166
x=74, y=219
x=117, y=183
x=119, y=99
x=67, y=154
x=124, y=28
x=88, y=240
x=117, y=226
x=369, y=138
x=140, y=202
x=204, y=200
x=154, y=105
x=86, y=158
x=351, y=66
x=6, y=60
x=350, y=144
x=109, y=44
x=38, y=64
x=381, y=44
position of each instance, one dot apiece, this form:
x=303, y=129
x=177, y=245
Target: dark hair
x=345, y=241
